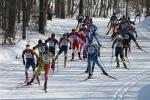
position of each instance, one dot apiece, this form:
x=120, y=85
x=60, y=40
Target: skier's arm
x=56, y=42
x=35, y=47
x=84, y=52
x=95, y=28
x=108, y=23
x=23, y=57
x=97, y=50
x=70, y=43
x=34, y=53
x=113, y=43
x=59, y=42
x=97, y=40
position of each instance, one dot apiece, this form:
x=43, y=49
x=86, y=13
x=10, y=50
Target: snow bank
x=145, y=23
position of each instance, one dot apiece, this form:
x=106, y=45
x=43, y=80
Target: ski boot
x=72, y=57
x=79, y=56
x=125, y=66
x=26, y=80
x=31, y=81
x=104, y=72
x=118, y=65
x=45, y=86
x=90, y=76
x=38, y=80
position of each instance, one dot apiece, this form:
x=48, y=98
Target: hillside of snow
x=65, y=83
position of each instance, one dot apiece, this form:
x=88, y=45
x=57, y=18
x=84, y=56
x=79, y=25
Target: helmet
x=27, y=45
x=73, y=30
x=52, y=35
x=64, y=35
x=40, y=41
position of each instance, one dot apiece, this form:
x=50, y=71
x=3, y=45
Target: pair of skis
x=102, y=74
x=22, y=85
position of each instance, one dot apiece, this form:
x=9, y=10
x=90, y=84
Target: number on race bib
x=64, y=42
x=41, y=49
x=28, y=55
x=91, y=49
x=45, y=58
x=51, y=44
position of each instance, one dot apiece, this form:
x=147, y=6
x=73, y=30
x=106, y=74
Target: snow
x=65, y=83
x=146, y=23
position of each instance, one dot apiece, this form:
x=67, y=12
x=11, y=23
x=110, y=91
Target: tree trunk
x=24, y=5
x=11, y=19
x=127, y=3
x=101, y=8
x=68, y=7
x=81, y=7
x=148, y=7
x=63, y=9
x=42, y=16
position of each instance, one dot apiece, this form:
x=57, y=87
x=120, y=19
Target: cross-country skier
x=63, y=47
x=41, y=48
x=44, y=64
x=75, y=37
x=28, y=56
x=91, y=51
x=84, y=33
x=51, y=42
x=118, y=43
x=80, y=19
x=113, y=23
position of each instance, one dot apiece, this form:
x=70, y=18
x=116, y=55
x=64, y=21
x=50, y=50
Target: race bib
x=46, y=58
x=64, y=42
x=91, y=49
x=74, y=37
x=41, y=49
x=92, y=28
x=84, y=33
x=51, y=43
x=28, y=55
x=119, y=44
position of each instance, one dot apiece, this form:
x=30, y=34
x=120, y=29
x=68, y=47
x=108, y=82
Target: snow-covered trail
x=65, y=83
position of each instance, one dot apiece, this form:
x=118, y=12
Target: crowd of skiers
x=82, y=41
x=123, y=31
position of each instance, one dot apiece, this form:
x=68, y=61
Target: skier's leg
x=116, y=54
x=93, y=66
x=100, y=66
x=37, y=73
x=89, y=66
x=122, y=58
x=46, y=68
x=26, y=72
x=126, y=51
x=33, y=68
x=73, y=50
